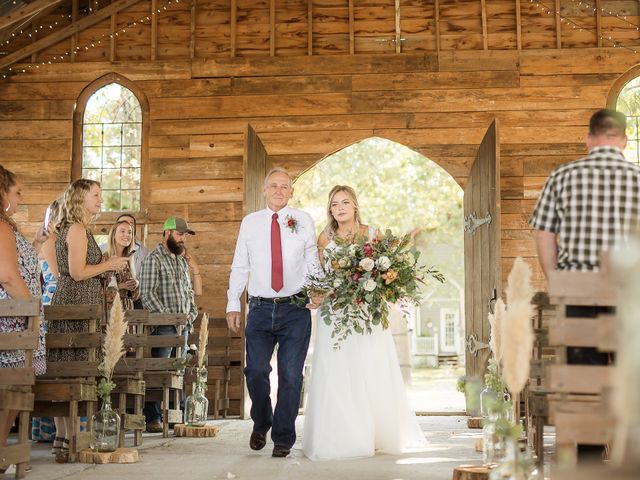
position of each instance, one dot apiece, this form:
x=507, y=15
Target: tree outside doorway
x=401, y=190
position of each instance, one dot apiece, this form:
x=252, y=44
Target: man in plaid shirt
x=587, y=206
x=165, y=287
x=590, y=204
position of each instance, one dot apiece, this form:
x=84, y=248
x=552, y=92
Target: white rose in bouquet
x=337, y=282
x=343, y=262
x=353, y=248
x=383, y=263
x=370, y=285
x=367, y=264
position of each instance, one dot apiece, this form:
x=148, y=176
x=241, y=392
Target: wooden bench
x=16, y=383
x=578, y=406
x=164, y=380
x=68, y=389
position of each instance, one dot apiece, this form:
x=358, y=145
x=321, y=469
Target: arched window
x=109, y=141
x=628, y=102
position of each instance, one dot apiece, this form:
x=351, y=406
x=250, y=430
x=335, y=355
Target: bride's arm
x=322, y=243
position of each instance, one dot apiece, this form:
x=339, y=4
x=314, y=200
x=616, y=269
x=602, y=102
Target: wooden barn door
x=256, y=165
x=481, y=250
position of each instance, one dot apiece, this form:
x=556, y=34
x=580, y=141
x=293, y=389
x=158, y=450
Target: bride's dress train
x=357, y=402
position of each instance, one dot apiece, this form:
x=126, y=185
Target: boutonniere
x=291, y=223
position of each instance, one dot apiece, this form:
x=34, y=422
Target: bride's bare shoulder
x=323, y=240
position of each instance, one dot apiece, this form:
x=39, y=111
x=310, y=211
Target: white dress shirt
x=253, y=255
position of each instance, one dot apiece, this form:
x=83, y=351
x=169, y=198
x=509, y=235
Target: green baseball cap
x=179, y=224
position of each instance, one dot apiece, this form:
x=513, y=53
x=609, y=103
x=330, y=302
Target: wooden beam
x=352, y=35
x=272, y=28
x=599, y=22
x=113, y=24
x=310, y=27
x=234, y=21
x=66, y=32
x=398, y=33
x=437, y=15
x=485, y=37
x=518, y=26
x=74, y=37
x=192, y=35
x=34, y=55
x=25, y=12
x=154, y=29
x=558, y=25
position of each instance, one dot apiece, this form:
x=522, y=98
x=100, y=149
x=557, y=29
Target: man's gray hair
x=278, y=170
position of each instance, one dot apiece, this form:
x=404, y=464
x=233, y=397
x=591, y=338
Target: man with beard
x=165, y=287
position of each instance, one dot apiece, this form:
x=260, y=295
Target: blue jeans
x=288, y=326
x=152, y=411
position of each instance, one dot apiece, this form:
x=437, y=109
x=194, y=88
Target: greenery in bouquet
x=362, y=277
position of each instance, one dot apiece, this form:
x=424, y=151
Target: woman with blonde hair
x=357, y=402
x=81, y=269
x=19, y=280
x=121, y=244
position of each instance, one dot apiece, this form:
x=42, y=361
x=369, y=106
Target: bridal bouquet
x=363, y=277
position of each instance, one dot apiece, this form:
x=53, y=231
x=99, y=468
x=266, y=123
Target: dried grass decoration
x=517, y=331
x=203, y=339
x=112, y=348
x=496, y=320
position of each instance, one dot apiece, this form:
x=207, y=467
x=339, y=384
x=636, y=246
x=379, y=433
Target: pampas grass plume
x=203, y=339
x=496, y=320
x=113, y=346
x=517, y=331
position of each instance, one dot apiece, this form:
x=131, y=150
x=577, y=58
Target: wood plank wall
x=304, y=106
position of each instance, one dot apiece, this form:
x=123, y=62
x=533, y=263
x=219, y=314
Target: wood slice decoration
x=474, y=422
x=121, y=455
x=471, y=472
x=181, y=430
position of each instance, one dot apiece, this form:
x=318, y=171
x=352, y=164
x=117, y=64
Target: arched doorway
x=482, y=241
x=402, y=190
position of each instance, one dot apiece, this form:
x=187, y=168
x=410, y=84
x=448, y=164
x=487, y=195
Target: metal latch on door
x=472, y=222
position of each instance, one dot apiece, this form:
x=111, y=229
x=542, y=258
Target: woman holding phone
x=123, y=282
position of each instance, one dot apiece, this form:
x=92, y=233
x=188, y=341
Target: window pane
x=92, y=157
x=130, y=178
x=112, y=135
x=92, y=174
x=110, y=200
x=113, y=118
x=130, y=200
x=92, y=135
x=111, y=178
x=131, y=157
x=111, y=157
x=132, y=134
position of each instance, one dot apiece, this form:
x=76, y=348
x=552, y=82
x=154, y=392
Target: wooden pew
x=16, y=383
x=578, y=406
x=164, y=380
x=69, y=388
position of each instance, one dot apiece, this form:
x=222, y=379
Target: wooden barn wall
x=307, y=96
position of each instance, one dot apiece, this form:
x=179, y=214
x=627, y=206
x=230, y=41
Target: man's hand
x=316, y=299
x=233, y=321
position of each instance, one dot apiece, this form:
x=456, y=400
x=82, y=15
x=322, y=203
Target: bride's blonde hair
x=332, y=224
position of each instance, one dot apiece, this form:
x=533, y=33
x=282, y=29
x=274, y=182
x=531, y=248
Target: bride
x=357, y=401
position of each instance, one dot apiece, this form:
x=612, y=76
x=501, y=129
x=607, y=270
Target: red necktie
x=276, y=254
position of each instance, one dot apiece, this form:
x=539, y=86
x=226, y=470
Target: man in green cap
x=165, y=287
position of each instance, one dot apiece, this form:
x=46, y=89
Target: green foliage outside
x=629, y=104
x=398, y=189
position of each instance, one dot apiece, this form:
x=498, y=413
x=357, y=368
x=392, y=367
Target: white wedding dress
x=357, y=402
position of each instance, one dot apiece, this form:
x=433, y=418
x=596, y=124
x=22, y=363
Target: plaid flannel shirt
x=165, y=284
x=591, y=204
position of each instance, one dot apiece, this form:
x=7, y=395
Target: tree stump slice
x=471, y=472
x=474, y=422
x=181, y=430
x=121, y=455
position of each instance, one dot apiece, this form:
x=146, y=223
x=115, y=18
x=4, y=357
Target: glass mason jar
x=493, y=447
x=105, y=431
x=487, y=397
x=197, y=405
x=516, y=465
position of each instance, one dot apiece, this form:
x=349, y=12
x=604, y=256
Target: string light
x=609, y=12
x=91, y=43
x=64, y=16
x=578, y=26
